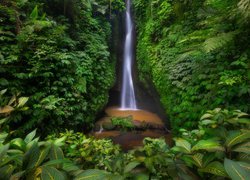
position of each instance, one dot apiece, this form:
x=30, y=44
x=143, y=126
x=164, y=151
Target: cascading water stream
x=127, y=94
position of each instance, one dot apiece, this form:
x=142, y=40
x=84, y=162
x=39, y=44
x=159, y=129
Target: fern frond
x=244, y=8
x=219, y=41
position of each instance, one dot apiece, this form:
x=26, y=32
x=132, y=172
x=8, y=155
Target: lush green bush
x=197, y=55
x=219, y=148
x=60, y=60
x=88, y=152
x=124, y=123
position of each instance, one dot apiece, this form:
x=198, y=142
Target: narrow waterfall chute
x=128, y=100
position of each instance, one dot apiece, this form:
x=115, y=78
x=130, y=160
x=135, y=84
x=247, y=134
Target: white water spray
x=128, y=94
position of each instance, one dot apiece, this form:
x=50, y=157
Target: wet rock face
x=145, y=124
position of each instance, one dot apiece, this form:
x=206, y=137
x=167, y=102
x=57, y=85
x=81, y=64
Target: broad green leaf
x=245, y=165
x=236, y=137
x=22, y=101
x=18, y=143
x=235, y=171
x=179, y=149
x=92, y=174
x=244, y=157
x=51, y=173
x=244, y=120
x=130, y=166
x=30, y=144
x=215, y=168
x=208, y=145
x=206, y=116
x=56, y=152
x=31, y=156
x=206, y=122
x=43, y=154
x=30, y=136
x=60, y=141
x=245, y=148
x=198, y=159
x=3, y=150
x=184, y=144
x=56, y=162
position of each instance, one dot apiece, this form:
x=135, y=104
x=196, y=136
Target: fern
x=219, y=41
x=244, y=8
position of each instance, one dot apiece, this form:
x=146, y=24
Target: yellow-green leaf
x=236, y=137
x=184, y=144
x=208, y=145
x=215, y=168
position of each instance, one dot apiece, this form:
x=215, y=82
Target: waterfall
x=127, y=94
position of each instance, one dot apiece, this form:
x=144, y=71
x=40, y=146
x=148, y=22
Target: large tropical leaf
x=244, y=157
x=197, y=158
x=236, y=137
x=215, y=168
x=31, y=156
x=235, y=170
x=182, y=145
x=3, y=150
x=42, y=156
x=245, y=148
x=130, y=166
x=56, y=153
x=92, y=174
x=30, y=137
x=51, y=173
x=208, y=145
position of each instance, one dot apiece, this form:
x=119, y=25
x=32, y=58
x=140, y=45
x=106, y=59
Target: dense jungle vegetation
x=196, y=53
x=57, y=66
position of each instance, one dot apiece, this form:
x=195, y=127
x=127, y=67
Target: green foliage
x=217, y=149
x=31, y=158
x=207, y=152
x=197, y=55
x=88, y=152
x=59, y=60
x=125, y=123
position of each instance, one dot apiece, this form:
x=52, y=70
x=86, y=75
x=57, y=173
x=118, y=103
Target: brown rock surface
x=132, y=139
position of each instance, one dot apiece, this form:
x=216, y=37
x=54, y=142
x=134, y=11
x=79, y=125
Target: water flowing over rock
x=127, y=93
